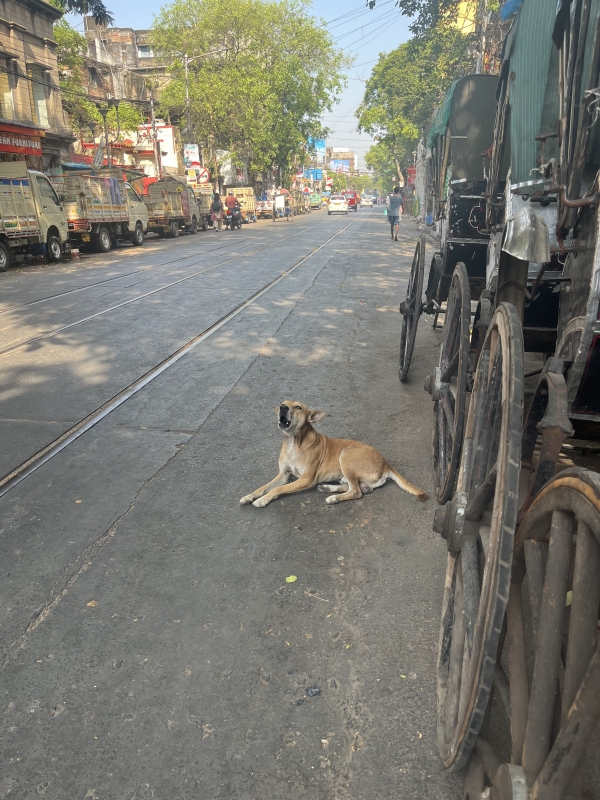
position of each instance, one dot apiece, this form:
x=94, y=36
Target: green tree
x=260, y=75
x=403, y=91
x=96, y=8
x=426, y=15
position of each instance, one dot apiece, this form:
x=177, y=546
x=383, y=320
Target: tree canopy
x=96, y=8
x=260, y=75
x=402, y=93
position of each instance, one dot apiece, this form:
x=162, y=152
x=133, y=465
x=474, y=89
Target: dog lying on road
x=314, y=458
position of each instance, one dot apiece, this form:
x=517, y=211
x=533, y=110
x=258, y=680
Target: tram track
x=55, y=331
x=53, y=448
x=227, y=245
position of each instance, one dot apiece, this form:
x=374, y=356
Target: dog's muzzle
x=284, y=420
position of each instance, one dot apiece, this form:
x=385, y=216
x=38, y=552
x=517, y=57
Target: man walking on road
x=395, y=203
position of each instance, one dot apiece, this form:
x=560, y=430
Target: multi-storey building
x=33, y=124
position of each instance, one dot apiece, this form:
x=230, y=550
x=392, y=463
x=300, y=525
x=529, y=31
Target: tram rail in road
x=44, y=455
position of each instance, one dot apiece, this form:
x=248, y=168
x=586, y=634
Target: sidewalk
x=177, y=664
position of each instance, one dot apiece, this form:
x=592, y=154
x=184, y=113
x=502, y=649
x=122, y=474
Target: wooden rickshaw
x=461, y=134
x=518, y=672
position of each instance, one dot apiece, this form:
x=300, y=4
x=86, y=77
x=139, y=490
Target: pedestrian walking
x=395, y=207
x=288, y=209
x=217, y=212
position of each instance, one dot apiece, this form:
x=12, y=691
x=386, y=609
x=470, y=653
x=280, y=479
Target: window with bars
x=7, y=108
x=38, y=95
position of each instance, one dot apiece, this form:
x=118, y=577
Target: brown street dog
x=314, y=458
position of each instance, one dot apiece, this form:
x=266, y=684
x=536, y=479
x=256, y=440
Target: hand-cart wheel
x=552, y=703
x=411, y=308
x=479, y=525
x=448, y=385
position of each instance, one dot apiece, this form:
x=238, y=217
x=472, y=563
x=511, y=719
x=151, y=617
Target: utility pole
x=157, y=158
x=104, y=111
x=187, y=97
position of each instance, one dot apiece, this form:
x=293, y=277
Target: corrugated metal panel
x=529, y=63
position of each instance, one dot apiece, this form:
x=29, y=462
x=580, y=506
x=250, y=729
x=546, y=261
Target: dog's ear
x=316, y=416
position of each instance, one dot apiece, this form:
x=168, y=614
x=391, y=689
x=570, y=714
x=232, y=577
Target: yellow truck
x=247, y=201
x=32, y=219
x=172, y=207
x=101, y=208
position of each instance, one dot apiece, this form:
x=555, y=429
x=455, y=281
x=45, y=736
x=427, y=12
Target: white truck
x=32, y=219
x=101, y=208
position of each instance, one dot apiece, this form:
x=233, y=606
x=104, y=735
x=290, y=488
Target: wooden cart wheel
x=448, y=385
x=411, y=308
x=479, y=525
x=552, y=703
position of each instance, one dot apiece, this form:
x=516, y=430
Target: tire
x=411, y=309
x=4, y=258
x=102, y=240
x=329, y=213
x=53, y=249
x=137, y=237
x=194, y=226
x=173, y=229
x=448, y=385
x=479, y=527
x=204, y=224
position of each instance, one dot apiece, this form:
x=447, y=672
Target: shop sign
x=21, y=143
x=411, y=173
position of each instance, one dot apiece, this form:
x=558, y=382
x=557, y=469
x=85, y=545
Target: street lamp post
x=103, y=112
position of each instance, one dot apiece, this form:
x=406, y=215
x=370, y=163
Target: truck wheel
x=102, y=240
x=137, y=237
x=194, y=226
x=204, y=224
x=173, y=229
x=4, y=258
x=53, y=249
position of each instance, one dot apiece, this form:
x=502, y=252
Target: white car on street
x=367, y=200
x=337, y=204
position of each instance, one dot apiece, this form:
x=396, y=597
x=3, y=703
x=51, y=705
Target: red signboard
x=411, y=173
x=14, y=139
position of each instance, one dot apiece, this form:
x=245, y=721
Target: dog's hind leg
x=333, y=488
x=351, y=492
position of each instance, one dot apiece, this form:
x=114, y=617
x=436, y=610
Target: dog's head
x=292, y=416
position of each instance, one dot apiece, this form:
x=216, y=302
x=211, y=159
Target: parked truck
x=101, y=208
x=32, y=219
x=247, y=200
x=172, y=207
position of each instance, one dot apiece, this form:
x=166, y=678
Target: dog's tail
x=407, y=485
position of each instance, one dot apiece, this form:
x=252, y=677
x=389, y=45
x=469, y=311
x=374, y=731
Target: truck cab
x=32, y=219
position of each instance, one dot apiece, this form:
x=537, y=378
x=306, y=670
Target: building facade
x=33, y=125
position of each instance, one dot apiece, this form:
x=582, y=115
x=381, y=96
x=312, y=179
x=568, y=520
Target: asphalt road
x=151, y=646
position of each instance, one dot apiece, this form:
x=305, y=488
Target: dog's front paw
x=245, y=501
x=332, y=500
x=260, y=503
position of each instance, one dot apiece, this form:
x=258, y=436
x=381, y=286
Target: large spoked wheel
x=479, y=525
x=551, y=706
x=411, y=309
x=448, y=385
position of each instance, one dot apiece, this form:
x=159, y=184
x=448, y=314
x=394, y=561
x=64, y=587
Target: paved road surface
x=151, y=647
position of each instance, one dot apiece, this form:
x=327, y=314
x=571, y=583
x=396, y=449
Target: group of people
x=219, y=207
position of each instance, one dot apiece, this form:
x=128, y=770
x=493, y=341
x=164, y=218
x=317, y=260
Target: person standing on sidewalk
x=217, y=211
x=394, y=210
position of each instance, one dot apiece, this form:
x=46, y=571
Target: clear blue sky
x=362, y=33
